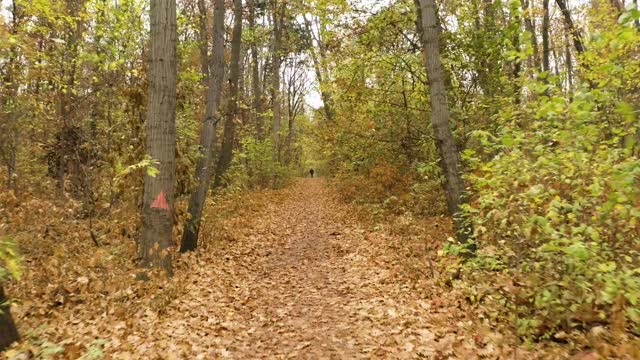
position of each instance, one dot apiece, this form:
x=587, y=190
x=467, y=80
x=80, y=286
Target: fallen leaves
x=289, y=274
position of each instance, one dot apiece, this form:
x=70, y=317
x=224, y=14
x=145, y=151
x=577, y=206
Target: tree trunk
x=12, y=164
x=531, y=28
x=232, y=102
x=11, y=131
x=8, y=330
x=517, y=66
x=637, y=21
x=208, y=134
x=275, y=84
x=569, y=63
x=157, y=213
x=242, y=106
x=486, y=71
x=291, y=117
x=545, y=37
x=618, y=5
x=320, y=69
x=204, y=41
x=69, y=167
x=449, y=156
x=575, y=33
x=556, y=58
x=255, y=75
x=446, y=75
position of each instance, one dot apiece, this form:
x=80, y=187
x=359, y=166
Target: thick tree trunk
x=157, y=213
x=419, y=28
x=449, y=156
x=275, y=84
x=232, y=102
x=255, y=75
x=575, y=33
x=8, y=330
x=208, y=134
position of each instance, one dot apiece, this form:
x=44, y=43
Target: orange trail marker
x=160, y=202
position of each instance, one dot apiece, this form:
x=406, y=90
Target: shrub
x=253, y=166
x=9, y=260
x=558, y=209
x=555, y=201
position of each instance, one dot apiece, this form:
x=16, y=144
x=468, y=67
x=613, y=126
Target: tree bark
x=9, y=129
x=12, y=162
x=275, y=84
x=569, y=63
x=255, y=74
x=556, y=58
x=204, y=41
x=157, y=213
x=232, y=102
x=8, y=330
x=449, y=156
x=208, y=134
x=575, y=33
x=545, y=37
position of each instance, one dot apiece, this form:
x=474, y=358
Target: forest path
x=293, y=274
x=316, y=294
x=312, y=286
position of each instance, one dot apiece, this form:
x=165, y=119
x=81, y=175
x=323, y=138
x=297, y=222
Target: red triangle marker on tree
x=160, y=202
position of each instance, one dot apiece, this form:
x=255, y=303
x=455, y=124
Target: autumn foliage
x=476, y=190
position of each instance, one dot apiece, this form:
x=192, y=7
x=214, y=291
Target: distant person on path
x=311, y=172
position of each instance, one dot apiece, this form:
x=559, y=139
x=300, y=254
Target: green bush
x=555, y=201
x=254, y=167
x=558, y=206
x=9, y=260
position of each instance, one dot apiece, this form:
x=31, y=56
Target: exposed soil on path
x=313, y=286
x=317, y=295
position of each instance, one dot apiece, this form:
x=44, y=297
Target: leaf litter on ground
x=293, y=273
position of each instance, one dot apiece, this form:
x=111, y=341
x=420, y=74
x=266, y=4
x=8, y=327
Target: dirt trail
x=312, y=287
x=313, y=298
x=288, y=274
